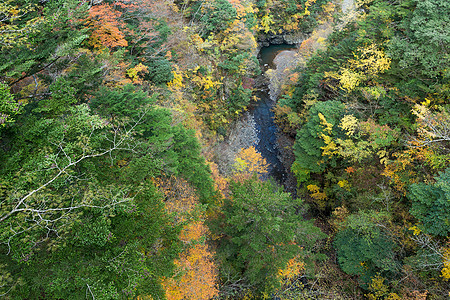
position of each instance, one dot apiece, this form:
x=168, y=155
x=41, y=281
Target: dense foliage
x=112, y=113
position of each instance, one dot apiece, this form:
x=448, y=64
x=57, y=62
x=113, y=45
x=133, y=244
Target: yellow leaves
x=122, y=163
x=330, y=148
x=328, y=10
x=348, y=79
x=370, y=61
x=415, y=230
x=445, y=272
x=313, y=188
x=243, y=8
x=367, y=63
x=344, y=184
x=349, y=123
x=339, y=216
x=328, y=127
x=378, y=288
x=11, y=34
x=237, y=38
x=380, y=291
x=266, y=22
x=136, y=73
x=307, y=5
x=249, y=162
x=177, y=82
x=373, y=92
x=360, y=3
x=316, y=194
x=383, y=155
x=206, y=82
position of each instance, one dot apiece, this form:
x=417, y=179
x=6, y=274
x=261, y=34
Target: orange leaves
x=350, y=170
x=293, y=269
x=197, y=281
x=180, y=196
x=196, y=272
x=196, y=266
x=220, y=182
x=107, y=26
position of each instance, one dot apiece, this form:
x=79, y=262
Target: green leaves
x=426, y=41
x=359, y=254
x=262, y=232
x=217, y=16
x=431, y=204
x=309, y=144
x=80, y=183
x=8, y=106
x=53, y=33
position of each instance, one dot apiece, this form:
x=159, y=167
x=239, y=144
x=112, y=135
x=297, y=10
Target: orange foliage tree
x=107, y=27
x=196, y=273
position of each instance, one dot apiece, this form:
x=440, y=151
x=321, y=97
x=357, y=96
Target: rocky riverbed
x=256, y=127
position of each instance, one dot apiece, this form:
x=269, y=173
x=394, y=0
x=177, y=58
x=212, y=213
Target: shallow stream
x=262, y=113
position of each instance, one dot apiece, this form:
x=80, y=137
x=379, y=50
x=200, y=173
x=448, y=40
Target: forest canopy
x=118, y=181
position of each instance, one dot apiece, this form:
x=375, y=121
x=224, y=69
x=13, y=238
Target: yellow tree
x=249, y=162
x=367, y=63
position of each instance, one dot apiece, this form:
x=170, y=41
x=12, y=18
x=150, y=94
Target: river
x=263, y=116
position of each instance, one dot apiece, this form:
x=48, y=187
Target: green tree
x=8, y=107
x=424, y=48
x=364, y=247
x=262, y=232
x=431, y=204
x=309, y=143
x=78, y=197
x=217, y=15
x=49, y=44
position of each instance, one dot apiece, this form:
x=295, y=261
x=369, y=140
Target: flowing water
x=262, y=113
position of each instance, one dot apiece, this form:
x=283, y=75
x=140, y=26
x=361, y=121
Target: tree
x=422, y=46
x=431, y=204
x=107, y=27
x=249, y=162
x=82, y=184
x=8, y=107
x=63, y=200
x=260, y=234
x=196, y=273
x=364, y=248
x=433, y=126
x=49, y=44
x=15, y=31
x=309, y=142
x=217, y=15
